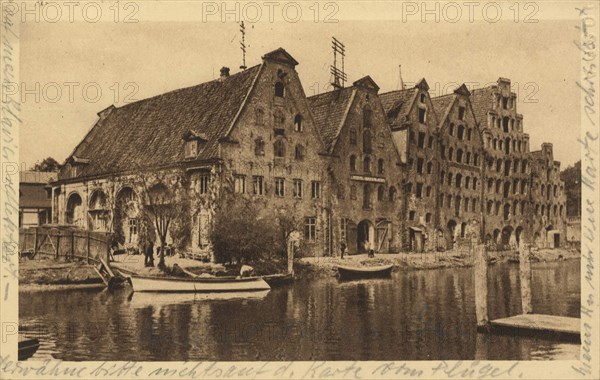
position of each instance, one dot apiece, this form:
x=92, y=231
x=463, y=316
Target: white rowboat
x=197, y=285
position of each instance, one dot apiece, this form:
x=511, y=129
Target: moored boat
x=365, y=271
x=197, y=284
x=28, y=347
x=278, y=279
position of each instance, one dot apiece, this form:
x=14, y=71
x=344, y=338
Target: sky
x=185, y=44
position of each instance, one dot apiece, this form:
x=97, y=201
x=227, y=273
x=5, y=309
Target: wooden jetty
x=527, y=323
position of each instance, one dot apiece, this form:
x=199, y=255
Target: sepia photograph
x=327, y=189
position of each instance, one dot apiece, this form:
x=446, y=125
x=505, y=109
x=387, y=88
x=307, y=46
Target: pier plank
x=541, y=323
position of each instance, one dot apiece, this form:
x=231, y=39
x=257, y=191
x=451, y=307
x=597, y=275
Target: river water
x=417, y=315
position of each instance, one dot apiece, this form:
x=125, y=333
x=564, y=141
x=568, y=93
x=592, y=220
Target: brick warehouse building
x=401, y=170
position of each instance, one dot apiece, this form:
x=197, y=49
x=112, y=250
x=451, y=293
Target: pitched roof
x=149, y=132
x=33, y=196
x=397, y=103
x=482, y=100
x=442, y=104
x=37, y=177
x=328, y=110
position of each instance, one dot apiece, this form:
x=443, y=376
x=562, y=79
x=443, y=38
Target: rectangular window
x=310, y=229
x=315, y=189
x=419, y=193
x=422, y=115
x=421, y=140
x=297, y=188
x=257, y=185
x=279, y=187
x=240, y=184
x=461, y=113
x=204, y=182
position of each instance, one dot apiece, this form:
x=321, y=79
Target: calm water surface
x=421, y=315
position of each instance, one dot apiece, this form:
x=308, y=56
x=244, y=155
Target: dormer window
x=191, y=149
x=298, y=127
x=279, y=89
x=461, y=113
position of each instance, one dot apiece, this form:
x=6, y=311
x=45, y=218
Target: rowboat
x=278, y=279
x=139, y=300
x=28, y=347
x=364, y=271
x=197, y=284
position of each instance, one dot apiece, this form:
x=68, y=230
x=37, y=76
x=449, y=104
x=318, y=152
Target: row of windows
x=461, y=157
x=457, y=180
x=506, y=124
x=460, y=131
x=517, y=208
x=546, y=210
x=279, y=120
x=367, y=165
x=412, y=215
x=518, y=187
x=549, y=189
x=258, y=187
x=367, y=140
x=505, y=145
x=508, y=166
x=420, y=141
x=418, y=190
x=279, y=149
x=382, y=195
x=466, y=204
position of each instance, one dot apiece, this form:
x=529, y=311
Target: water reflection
x=422, y=315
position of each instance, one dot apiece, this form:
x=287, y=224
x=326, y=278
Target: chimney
x=224, y=72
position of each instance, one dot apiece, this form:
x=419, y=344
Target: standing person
x=343, y=248
x=150, y=253
x=371, y=250
x=145, y=251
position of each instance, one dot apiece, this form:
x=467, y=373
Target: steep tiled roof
x=149, y=132
x=441, y=104
x=482, y=100
x=328, y=110
x=397, y=103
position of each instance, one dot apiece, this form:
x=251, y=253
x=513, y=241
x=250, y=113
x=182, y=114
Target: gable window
x=353, y=163
x=191, y=149
x=315, y=189
x=422, y=98
x=257, y=185
x=279, y=187
x=298, y=127
x=461, y=131
x=380, y=166
x=279, y=148
x=422, y=115
x=461, y=113
x=352, y=136
x=421, y=140
x=367, y=143
x=299, y=152
x=367, y=164
x=367, y=197
x=367, y=117
x=260, y=114
x=279, y=90
x=259, y=147
x=297, y=188
x=459, y=155
x=239, y=184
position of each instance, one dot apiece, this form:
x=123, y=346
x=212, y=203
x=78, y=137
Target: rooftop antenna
x=243, y=45
x=339, y=76
x=400, y=81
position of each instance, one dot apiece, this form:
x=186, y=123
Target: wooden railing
x=64, y=242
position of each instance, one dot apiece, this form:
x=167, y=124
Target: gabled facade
x=459, y=176
x=364, y=171
x=414, y=125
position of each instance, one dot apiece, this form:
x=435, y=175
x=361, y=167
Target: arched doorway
x=365, y=231
x=98, y=211
x=74, y=213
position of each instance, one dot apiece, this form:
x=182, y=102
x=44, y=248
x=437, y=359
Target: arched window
x=298, y=127
x=299, y=152
x=505, y=121
x=367, y=164
x=380, y=166
x=450, y=153
x=353, y=137
x=429, y=167
x=380, y=193
x=458, y=180
x=442, y=177
x=499, y=165
x=469, y=134
x=353, y=163
x=259, y=147
x=495, y=144
x=451, y=129
x=474, y=183
x=523, y=166
x=366, y=196
x=428, y=191
x=428, y=217
x=392, y=194
x=467, y=182
x=490, y=184
x=523, y=187
x=279, y=148
x=409, y=188
x=461, y=131
x=498, y=186
x=468, y=158
x=260, y=113
x=279, y=119
x=279, y=89
x=459, y=155
x=449, y=178
x=490, y=205
x=474, y=205
x=367, y=141
x=476, y=159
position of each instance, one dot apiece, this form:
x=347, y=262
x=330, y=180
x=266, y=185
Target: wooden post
x=481, y=270
x=87, y=255
x=525, y=278
x=35, y=240
x=57, y=244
